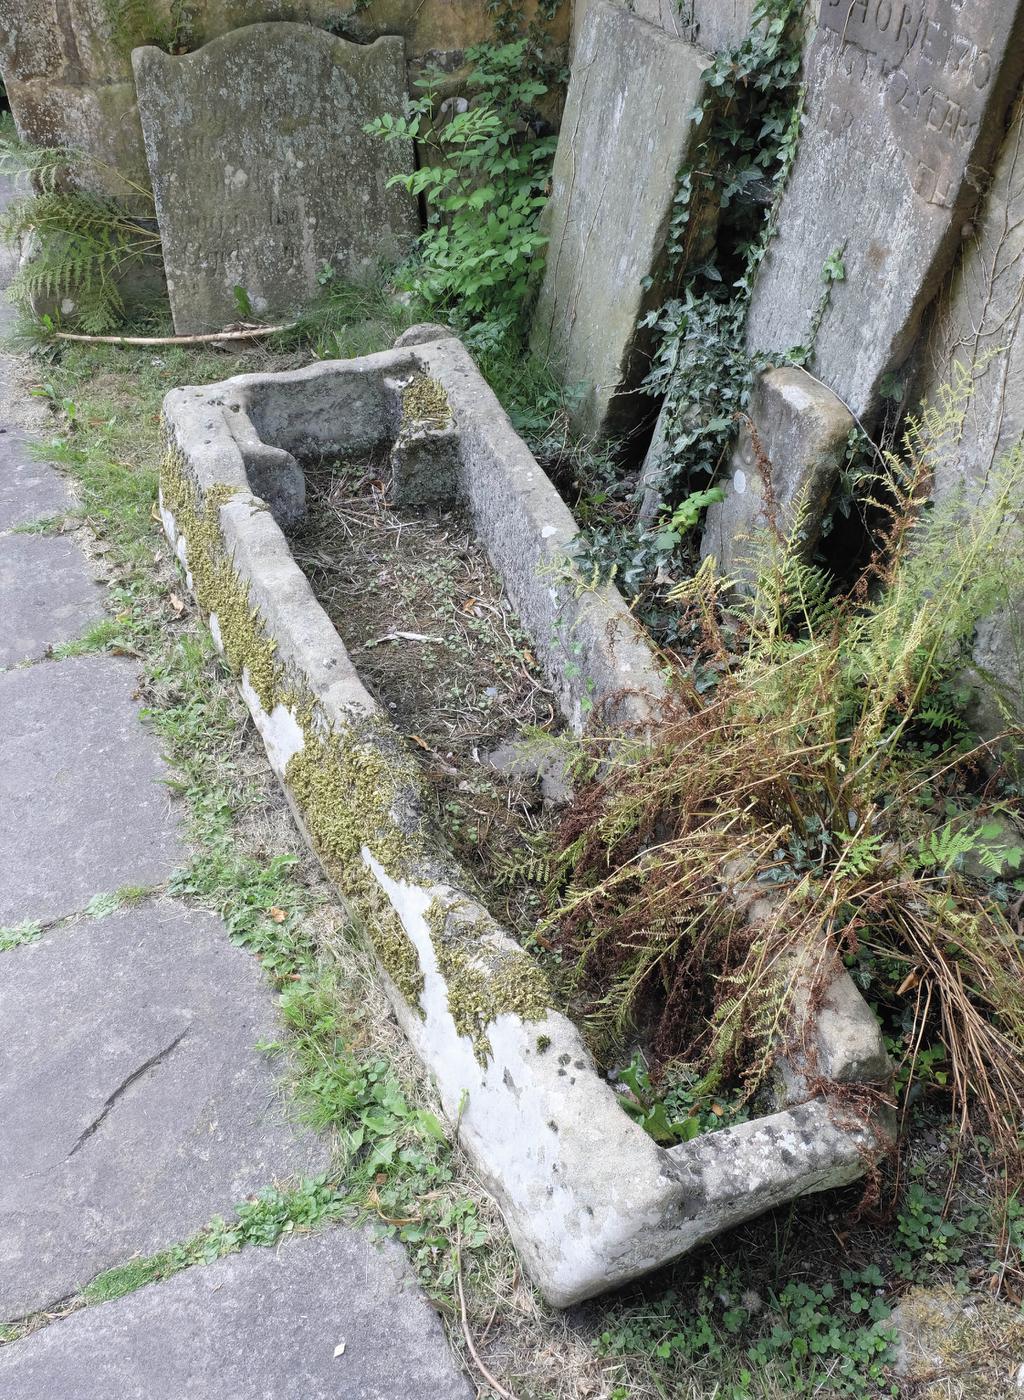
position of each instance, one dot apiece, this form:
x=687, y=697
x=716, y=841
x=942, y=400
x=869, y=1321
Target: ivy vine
x=700, y=369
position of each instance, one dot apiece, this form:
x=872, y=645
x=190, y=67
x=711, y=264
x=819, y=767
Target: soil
x=426, y=623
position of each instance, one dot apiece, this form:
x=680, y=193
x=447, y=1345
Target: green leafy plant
x=700, y=369
x=484, y=179
x=800, y=1340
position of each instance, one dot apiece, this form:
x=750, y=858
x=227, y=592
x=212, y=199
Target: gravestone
x=979, y=333
x=904, y=101
x=626, y=131
x=261, y=169
x=782, y=474
x=714, y=25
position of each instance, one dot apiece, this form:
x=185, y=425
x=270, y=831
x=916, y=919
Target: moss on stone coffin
x=483, y=981
x=348, y=787
x=347, y=790
x=425, y=401
x=217, y=587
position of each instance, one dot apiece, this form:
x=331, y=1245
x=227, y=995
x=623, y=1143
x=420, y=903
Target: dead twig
x=495, y=1385
x=245, y=333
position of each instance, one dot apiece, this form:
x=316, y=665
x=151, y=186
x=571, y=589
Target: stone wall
x=69, y=76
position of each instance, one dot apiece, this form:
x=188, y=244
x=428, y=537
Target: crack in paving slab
x=134, y=1103
x=122, y=1088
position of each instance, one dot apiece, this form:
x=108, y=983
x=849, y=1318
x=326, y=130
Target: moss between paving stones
x=349, y=789
x=483, y=982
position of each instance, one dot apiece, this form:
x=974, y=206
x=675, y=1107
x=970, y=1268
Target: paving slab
x=82, y=809
x=47, y=595
x=260, y=1325
x=29, y=489
x=134, y=1103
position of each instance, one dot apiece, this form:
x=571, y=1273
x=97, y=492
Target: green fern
x=82, y=244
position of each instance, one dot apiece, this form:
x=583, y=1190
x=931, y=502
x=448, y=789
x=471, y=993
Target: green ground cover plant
x=483, y=174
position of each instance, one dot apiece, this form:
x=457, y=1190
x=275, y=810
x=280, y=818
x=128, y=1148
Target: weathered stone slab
x=82, y=807
x=904, y=102
x=266, y=1322
x=29, y=489
x=784, y=468
x=626, y=131
x=134, y=1103
x=714, y=25
x=979, y=334
x=46, y=595
x=261, y=169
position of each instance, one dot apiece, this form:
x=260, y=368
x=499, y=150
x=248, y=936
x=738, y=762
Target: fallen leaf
x=909, y=983
x=422, y=742
x=177, y=605
x=278, y=915
x=468, y=605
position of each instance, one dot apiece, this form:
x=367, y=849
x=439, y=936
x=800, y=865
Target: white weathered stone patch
x=279, y=730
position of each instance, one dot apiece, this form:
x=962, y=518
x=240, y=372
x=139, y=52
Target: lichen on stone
x=425, y=401
x=483, y=980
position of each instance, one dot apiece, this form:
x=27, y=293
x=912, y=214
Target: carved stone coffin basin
x=590, y=1199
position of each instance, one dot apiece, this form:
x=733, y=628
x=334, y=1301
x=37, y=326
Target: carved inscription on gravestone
x=905, y=101
x=262, y=172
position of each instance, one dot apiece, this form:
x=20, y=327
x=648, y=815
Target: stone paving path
x=134, y=1105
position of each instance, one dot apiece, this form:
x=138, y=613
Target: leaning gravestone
x=978, y=337
x=904, y=101
x=714, y=25
x=627, y=129
x=261, y=169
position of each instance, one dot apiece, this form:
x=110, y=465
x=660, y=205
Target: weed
x=44, y=525
x=106, y=633
x=485, y=187
x=801, y=1339
x=782, y=815
x=19, y=935
x=101, y=906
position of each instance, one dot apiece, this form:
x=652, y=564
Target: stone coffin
x=591, y=1200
